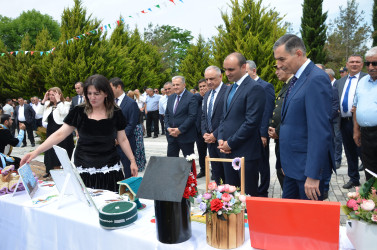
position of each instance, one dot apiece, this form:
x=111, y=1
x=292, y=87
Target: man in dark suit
x=212, y=113
x=306, y=146
x=180, y=117
x=239, y=134
x=264, y=167
x=274, y=129
x=25, y=114
x=200, y=144
x=346, y=90
x=76, y=100
x=130, y=111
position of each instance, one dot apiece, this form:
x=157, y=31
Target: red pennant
x=11, y=53
x=172, y=1
x=144, y=12
x=101, y=28
x=31, y=52
x=118, y=22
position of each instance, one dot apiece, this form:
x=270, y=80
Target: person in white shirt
x=166, y=91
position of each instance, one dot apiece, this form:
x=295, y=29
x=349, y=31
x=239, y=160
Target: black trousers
x=202, y=151
x=175, y=146
x=152, y=116
x=162, y=122
x=264, y=171
x=29, y=130
x=217, y=168
x=279, y=171
x=369, y=152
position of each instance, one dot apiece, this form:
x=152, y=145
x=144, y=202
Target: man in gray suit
x=346, y=90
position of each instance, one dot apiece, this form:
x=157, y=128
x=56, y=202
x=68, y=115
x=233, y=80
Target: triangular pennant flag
x=67, y=41
x=16, y=53
x=47, y=52
x=181, y=1
x=118, y=22
x=11, y=53
x=109, y=26
x=26, y=52
x=88, y=33
x=158, y=6
x=32, y=52
x=41, y=52
x=130, y=16
x=122, y=19
x=144, y=12
x=172, y=1
x=105, y=27
x=2, y=54
x=149, y=9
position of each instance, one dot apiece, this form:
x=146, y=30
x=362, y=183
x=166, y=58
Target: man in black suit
x=76, y=100
x=200, y=144
x=25, y=114
x=346, y=90
x=213, y=111
x=180, y=117
x=239, y=134
x=264, y=167
x=130, y=111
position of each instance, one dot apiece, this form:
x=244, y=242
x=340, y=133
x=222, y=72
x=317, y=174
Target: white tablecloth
x=76, y=226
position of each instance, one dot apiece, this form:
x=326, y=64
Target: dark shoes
x=33, y=144
x=337, y=165
x=351, y=184
x=46, y=175
x=155, y=136
x=148, y=136
x=361, y=167
x=200, y=175
x=23, y=145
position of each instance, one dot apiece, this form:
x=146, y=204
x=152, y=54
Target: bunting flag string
x=93, y=32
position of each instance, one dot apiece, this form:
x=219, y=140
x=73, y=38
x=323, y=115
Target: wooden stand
x=231, y=232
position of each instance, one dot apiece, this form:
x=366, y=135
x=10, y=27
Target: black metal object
x=173, y=221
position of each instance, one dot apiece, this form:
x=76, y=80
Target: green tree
x=374, y=22
x=195, y=62
x=313, y=29
x=252, y=30
x=171, y=41
x=31, y=22
x=348, y=34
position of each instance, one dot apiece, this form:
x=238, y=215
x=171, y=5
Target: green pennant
x=158, y=6
x=2, y=54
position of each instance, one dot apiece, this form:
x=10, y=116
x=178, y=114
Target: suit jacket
x=217, y=111
x=198, y=121
x=342, y=81
x=241, y=121
x=269, y=106
x=184, y=118
x=29, y=114
x=276, y=115
x=306, y=145
x=131, y=112
x=75, y=101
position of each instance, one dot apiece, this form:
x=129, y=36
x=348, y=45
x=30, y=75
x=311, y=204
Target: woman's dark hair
x=100, y=83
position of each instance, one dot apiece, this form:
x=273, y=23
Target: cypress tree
x=313, y=29
x=252, y=30
x=195, y=62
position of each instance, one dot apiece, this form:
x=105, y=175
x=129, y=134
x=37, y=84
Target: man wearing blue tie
x=306, y=145
x=239, y=134
x=346, y=90
x=180, y=117
x=76, y=100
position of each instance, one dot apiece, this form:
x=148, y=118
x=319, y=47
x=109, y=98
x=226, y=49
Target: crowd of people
x=311, y=119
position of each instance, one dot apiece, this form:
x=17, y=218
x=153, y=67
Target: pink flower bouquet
x=362, y=204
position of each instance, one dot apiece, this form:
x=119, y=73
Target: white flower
x=352, y=195
x=219, y=212
x=191, y=157
x=368, y=205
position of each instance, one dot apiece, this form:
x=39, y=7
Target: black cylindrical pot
x=173, y=221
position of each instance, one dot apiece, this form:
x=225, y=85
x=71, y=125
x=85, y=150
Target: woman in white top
x=54, y=109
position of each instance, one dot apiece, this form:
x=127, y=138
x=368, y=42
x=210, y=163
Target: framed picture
x=28, y=180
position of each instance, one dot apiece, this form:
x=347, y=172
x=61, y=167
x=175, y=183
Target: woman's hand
x=134, y=169
x=57, y=97
x=28, y=157
x=45, y=98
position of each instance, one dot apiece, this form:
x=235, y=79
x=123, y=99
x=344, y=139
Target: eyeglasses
x=156, y=91
x=369, y=63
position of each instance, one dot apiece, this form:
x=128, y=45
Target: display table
x=75, y=226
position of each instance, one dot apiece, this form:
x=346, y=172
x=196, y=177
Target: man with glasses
x=162, y=104
x=365, y=117
x=346, y=90
x=343, y=72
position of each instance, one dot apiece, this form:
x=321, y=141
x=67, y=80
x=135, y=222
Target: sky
x=197, y=16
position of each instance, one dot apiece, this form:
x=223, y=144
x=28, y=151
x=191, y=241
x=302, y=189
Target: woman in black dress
x=54, y=109
x=100, y=125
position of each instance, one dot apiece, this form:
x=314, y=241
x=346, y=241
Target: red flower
x=216, y=205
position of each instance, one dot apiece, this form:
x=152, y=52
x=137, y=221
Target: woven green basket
x=117, y=214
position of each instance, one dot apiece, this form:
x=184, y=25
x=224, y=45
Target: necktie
x=209, y=113
x=116, y=100
x=345, y=98
x=291, y=84
x=231, y=94
x=80, y=101
x=176, y=104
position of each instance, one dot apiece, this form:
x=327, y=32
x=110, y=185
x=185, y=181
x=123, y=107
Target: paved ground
x=158, y=147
